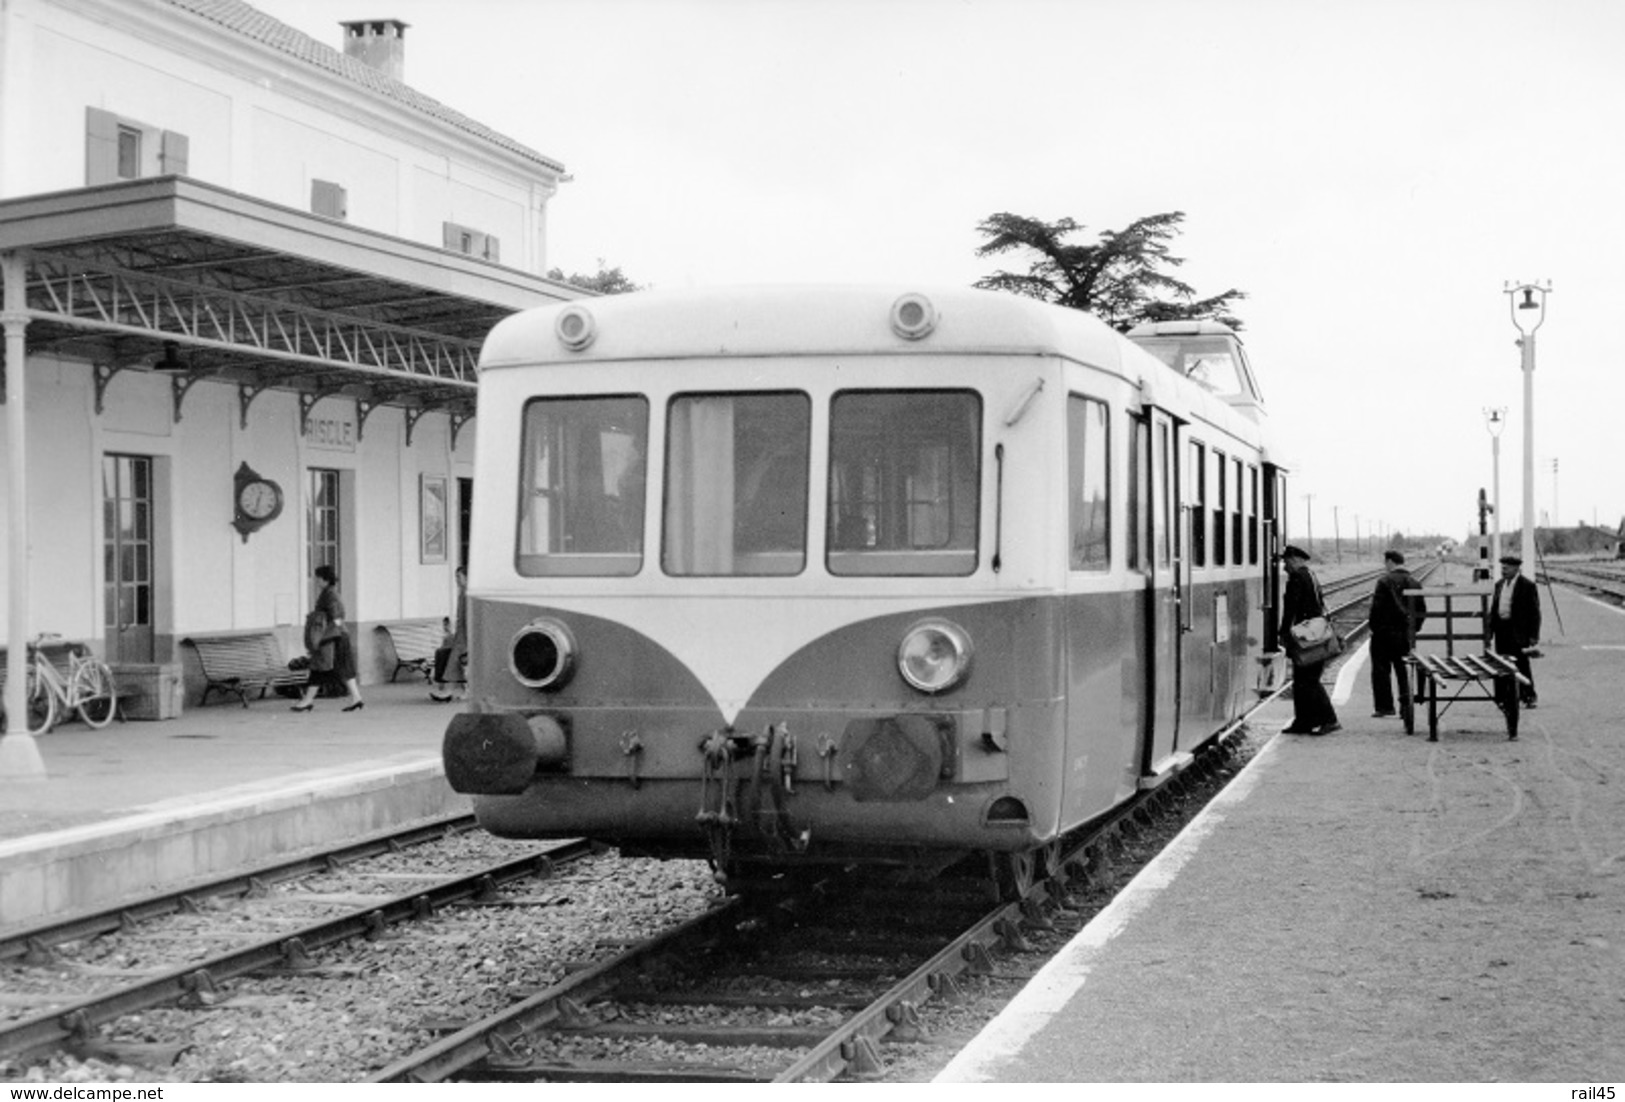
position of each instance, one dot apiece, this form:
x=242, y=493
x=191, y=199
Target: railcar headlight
x=934, y=655
x=913, y=317
x=575, y=328
x=542, y=654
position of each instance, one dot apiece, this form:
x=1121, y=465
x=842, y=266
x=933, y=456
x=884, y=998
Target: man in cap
x=1312, y=712
x=1513, y=627
x=1395, y=619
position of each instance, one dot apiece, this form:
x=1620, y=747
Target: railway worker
x=1513, y=628
x=1395, y=619
x=1312, y=712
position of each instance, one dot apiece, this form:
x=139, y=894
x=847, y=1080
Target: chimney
x=380, y=43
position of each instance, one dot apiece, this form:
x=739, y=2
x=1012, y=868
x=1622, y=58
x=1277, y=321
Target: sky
x=1371, y=173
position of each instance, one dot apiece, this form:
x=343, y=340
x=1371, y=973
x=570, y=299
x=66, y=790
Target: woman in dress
x=332, y=658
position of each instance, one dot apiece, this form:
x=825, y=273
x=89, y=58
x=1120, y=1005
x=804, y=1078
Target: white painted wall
x=259, y=122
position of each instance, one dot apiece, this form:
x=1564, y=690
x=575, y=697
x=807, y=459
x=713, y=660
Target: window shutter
x=101, y=146
x=173, y=154
x=328, y=199
x=452, y=236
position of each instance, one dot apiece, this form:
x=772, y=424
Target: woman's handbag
x=1316, y=641
x=317, y=641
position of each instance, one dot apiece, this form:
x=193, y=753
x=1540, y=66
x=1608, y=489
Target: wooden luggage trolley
x=1473, y=675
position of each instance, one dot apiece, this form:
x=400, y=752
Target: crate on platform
x=148, y=690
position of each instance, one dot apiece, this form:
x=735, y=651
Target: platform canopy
x=171, y=274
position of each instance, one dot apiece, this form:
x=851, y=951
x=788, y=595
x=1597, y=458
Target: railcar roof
x=704, y=323
x=814, y=321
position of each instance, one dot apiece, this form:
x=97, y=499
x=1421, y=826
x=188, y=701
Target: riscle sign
x=332, y=433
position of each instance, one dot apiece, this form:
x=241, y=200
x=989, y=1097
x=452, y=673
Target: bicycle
x=87, y=687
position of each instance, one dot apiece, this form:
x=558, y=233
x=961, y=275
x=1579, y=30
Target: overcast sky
x=1370, y=173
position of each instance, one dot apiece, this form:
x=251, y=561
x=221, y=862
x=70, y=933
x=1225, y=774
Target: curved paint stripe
x=1348, y=672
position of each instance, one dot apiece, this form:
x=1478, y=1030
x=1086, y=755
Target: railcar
x=789, y=576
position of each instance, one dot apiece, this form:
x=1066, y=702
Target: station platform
x=1369, y=907
x=220, y=788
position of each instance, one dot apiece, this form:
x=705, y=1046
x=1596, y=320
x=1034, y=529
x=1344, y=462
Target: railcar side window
x=581, y=486
x=904, y=482
x=736, y=484
x=1139, y=492
x=1196, y=502
x=1089, y=483
x=1237, y=549
x=1252, y=515
x=1218, y=508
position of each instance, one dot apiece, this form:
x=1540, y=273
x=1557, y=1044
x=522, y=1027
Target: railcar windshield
x=904, y=482
x=736, y=484
x=1209, y=361
x=581, y=486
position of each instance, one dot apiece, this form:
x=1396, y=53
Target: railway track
x=1603, y=579
x=79, y=1021
x=801, y=988
x=36, y=941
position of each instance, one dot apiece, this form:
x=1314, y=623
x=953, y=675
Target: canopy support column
x=19, y=756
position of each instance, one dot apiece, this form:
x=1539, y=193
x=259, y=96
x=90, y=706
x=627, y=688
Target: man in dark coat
x=1395, y=619
x=1312, y=712
x=1513, y=627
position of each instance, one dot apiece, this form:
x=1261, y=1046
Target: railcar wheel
x=1015, y=873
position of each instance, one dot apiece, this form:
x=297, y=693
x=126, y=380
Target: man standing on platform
x=1395, y=619
x=1513, y=627
x=1312, y=712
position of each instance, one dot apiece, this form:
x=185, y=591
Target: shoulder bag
x=1315, y=639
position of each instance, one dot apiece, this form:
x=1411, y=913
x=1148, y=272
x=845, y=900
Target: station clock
x=256, y=501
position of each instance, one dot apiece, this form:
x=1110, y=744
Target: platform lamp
x=1527, y=316
x=1495, y=420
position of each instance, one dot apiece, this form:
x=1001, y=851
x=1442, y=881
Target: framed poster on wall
x=432, y=518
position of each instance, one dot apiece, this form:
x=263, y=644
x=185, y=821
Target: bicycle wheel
x=93, y=691
x=41, y=704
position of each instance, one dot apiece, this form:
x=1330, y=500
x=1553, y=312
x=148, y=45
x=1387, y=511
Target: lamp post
x=1527, y=317
x=1495, y=420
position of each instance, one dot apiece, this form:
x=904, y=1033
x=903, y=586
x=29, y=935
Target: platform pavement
x=221, y=787
x=1369, y=907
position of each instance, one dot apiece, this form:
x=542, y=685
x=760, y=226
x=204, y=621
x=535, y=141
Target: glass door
x=323, y=521
x=127, y=557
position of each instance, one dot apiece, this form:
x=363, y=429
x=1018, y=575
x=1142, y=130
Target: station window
x=736, y=484
x=470, y=242
x=581, y=486
x=1196, y=503
x=1089, y=483
x=904, y=482
x=120, y=148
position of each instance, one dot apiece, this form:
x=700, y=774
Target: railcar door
x=1157, y=453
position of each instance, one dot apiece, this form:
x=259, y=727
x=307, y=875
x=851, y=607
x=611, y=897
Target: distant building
x=247, y=275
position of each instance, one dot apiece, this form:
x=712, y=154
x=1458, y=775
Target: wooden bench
x=1471, y=671
x=242, y=663
x=411, y=644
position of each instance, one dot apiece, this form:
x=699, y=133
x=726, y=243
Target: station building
x=246, y=279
